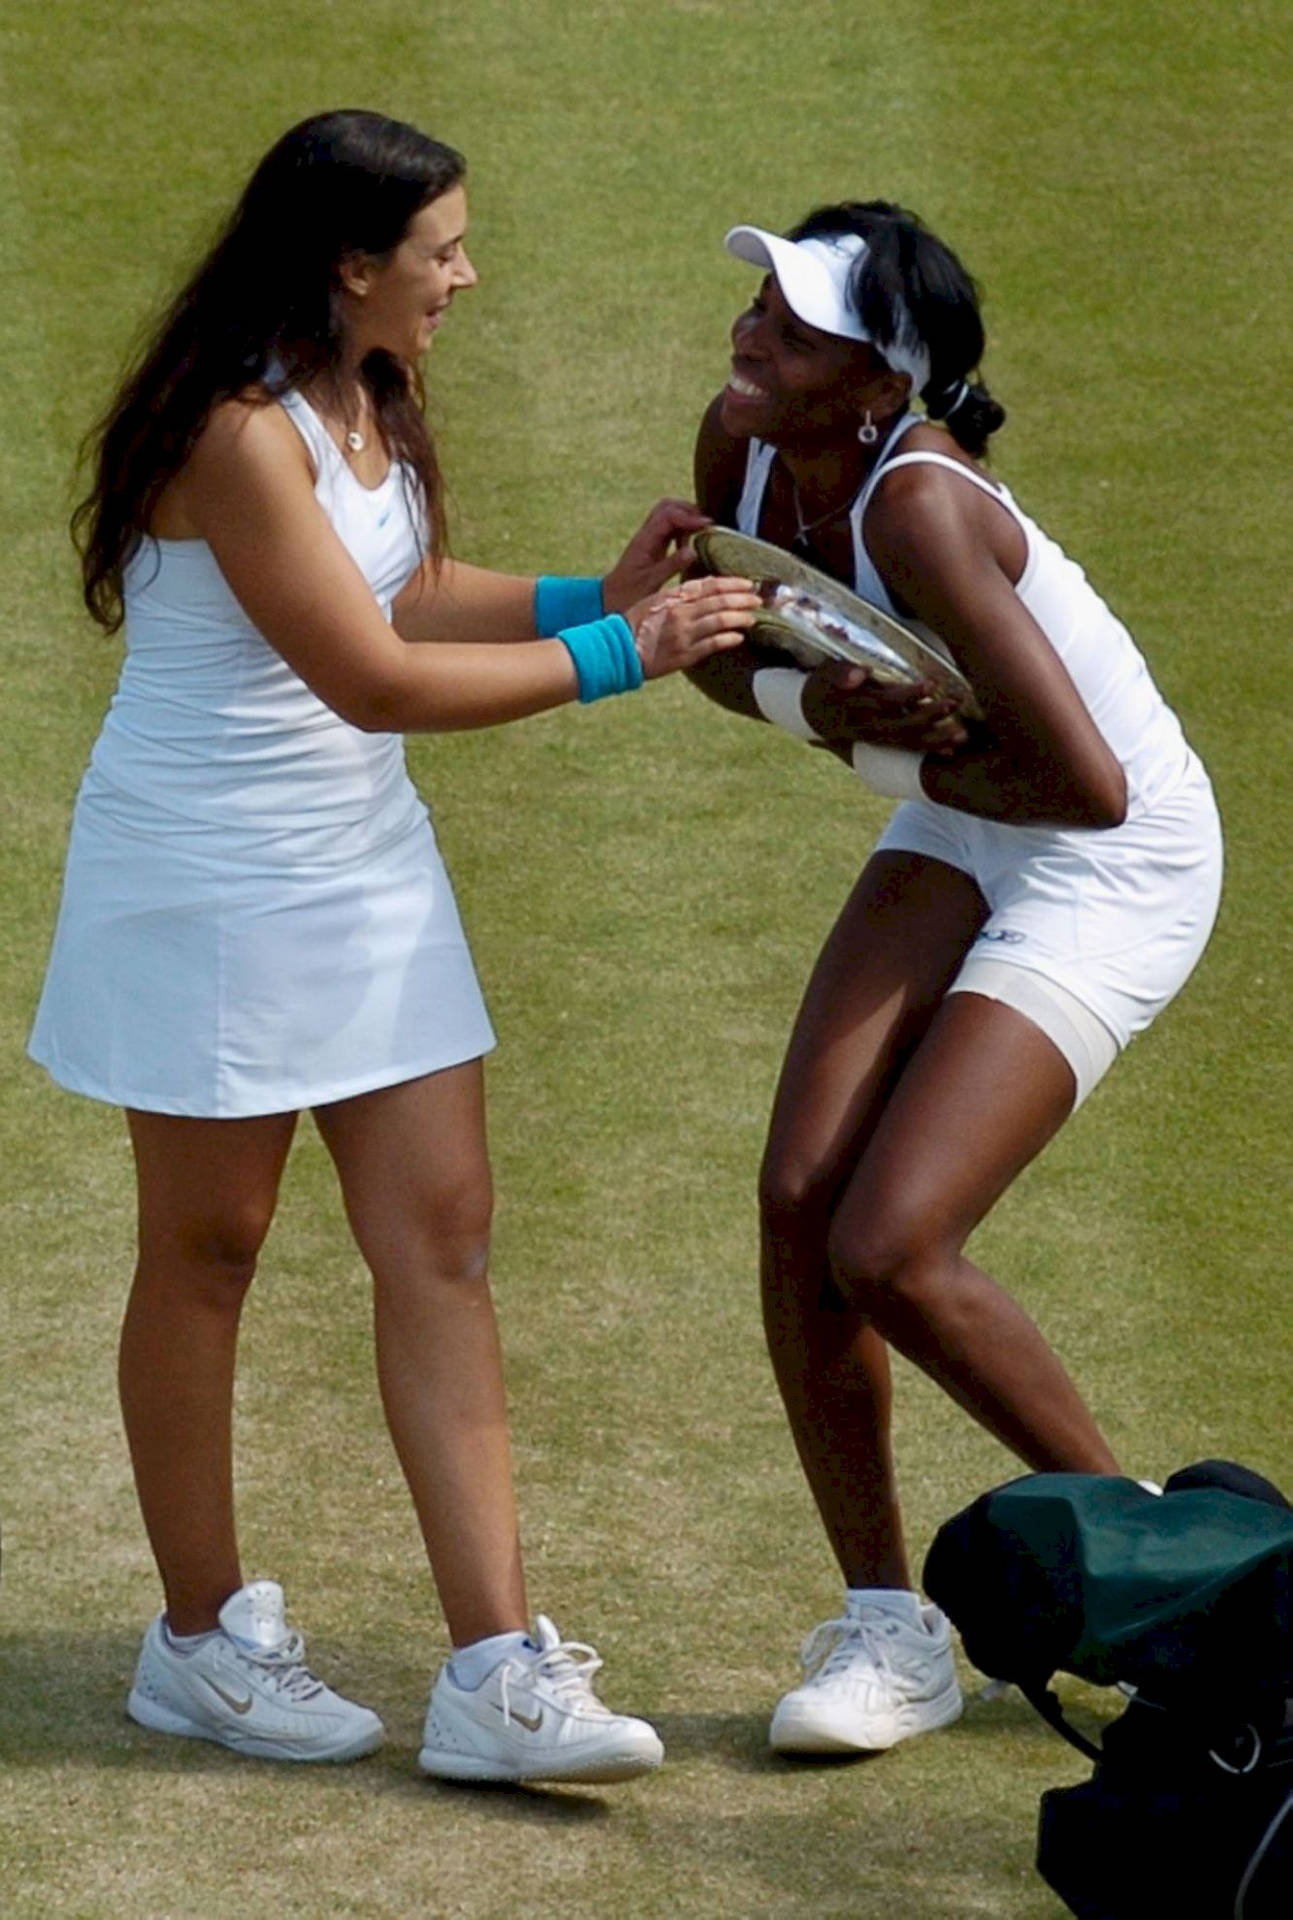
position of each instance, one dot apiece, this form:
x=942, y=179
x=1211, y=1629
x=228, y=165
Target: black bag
x=1186, y=1598
x=1169, y=1826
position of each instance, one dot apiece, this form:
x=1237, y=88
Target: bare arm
x=248, y=491
x=457, y=602
x=949, y=554
x=719, y=470
x=463, y=604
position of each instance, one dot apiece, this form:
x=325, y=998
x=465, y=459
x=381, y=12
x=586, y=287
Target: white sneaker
x=535, y=1717
x=879, y=1674
x=247, y=1686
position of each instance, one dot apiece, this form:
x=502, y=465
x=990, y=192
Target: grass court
x=645, y=886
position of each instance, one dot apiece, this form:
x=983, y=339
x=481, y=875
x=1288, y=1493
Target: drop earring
x=868, y=432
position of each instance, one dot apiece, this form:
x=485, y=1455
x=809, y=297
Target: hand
x=659, y=549
x=684, y=626
x=845, y=703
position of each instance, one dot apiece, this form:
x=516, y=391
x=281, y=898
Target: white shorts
x=1116, y=919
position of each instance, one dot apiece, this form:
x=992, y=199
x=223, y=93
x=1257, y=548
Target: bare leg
x=886, y=1148
x=415, y=1174
x=982, y=1095
x=882, y=974
x=207, y=1190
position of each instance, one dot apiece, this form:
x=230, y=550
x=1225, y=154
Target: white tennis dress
x=255, y=916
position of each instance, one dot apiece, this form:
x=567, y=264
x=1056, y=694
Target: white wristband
x=779, y=696
x=888, y=771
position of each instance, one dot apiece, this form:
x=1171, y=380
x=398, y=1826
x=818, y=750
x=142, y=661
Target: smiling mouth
x=746, y=389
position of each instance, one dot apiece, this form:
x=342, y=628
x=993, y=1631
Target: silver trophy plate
x=813, y=618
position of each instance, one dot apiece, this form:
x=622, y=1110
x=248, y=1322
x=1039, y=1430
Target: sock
x=896, y=1600
x=472, y=1664
x=186, y=1642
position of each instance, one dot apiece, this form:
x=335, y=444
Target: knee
x=884, y=1259
x=459, y=1222
x=461, y=1253
x=794, y=1202
x=444, y=1240
x=215, y=1253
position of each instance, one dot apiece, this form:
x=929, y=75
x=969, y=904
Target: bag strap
x=1046, y=1702
x=1259, y=1854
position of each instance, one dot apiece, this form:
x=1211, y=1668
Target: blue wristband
x=565, y=601
x=605, y=656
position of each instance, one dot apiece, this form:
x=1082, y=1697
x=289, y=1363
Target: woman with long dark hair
x=1045, y=886
x=256, y=919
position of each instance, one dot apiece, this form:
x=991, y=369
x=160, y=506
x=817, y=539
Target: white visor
x=814, y=277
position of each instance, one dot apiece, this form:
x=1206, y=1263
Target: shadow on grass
x=736, y=1740
x=1089, y=1708
x=63, y=1701
x=740, y=1740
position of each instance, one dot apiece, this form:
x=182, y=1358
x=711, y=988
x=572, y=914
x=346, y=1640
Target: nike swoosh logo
x=238, y=1706
x=523, y=1719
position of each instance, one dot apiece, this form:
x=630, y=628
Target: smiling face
x=793, y=385
x=397, y=300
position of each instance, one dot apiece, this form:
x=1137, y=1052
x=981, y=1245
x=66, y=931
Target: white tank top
x=1102, y=660
x=212, y=735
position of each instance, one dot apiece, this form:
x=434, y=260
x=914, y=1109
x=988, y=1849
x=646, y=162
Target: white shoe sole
x=593, y=1767
x=801, y=1730
x=150, y=1713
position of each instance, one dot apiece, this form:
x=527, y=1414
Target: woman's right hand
x=845, y=703
x=686, y=624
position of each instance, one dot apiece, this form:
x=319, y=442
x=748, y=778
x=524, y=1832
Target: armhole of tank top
x=311, y=429
x=758, y=465
x=929, y=458
x=1001, y=495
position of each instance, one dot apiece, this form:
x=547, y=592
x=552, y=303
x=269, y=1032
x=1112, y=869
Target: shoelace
x=285, y=1666
x=834, y=1645
x=565, y=1671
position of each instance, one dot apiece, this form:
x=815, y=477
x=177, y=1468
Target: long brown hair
x=263, y=311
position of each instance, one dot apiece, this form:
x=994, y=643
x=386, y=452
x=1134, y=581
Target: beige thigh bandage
x=1081, y=1037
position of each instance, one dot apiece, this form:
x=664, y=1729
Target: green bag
x=1185, y=1595
x=1185, y=1598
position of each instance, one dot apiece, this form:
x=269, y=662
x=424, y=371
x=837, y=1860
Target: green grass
x=645, y=887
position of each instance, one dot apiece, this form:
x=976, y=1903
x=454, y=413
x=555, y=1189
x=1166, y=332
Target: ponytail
x=969, y=412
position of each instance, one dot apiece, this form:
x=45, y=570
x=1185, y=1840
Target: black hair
x=910, y=287
x=264, y=310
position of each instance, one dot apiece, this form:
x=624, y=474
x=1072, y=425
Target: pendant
x=355, y=441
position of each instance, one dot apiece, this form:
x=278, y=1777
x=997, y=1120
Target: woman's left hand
x=675, y=631
x=844, y=704
x=659, y=549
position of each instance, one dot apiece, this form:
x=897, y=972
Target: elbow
x=724, y=678
x=707, y=681
x=384, y=698
x=363, y=712
x=704, y=676
x=1111, y=799
x=1102, y=804
x=373, y=720
x=372, y=709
